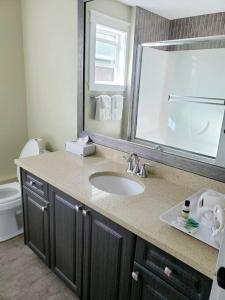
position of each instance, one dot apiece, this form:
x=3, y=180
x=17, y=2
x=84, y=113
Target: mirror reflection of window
x=109, y=42
x=108, y=53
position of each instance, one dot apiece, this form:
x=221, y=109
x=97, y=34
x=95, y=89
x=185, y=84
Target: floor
x=24, y=276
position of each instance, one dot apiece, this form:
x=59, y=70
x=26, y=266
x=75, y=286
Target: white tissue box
x=79, y=149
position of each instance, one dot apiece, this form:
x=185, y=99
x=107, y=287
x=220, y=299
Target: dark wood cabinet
x=108, y=258
x=148, y=286
x=91, y=254
x=161, y=275
x=66, y=238
x=90, y=249
x=36, y=222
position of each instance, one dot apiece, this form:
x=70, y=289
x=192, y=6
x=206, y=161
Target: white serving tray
x=204, y=233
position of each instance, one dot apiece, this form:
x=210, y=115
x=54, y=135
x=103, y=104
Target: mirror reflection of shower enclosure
x=181, y=97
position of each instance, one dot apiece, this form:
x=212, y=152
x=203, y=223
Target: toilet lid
x=33, y=147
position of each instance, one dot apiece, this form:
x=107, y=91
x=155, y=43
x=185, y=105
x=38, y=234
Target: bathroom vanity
x=149, y=87
x=106, y=246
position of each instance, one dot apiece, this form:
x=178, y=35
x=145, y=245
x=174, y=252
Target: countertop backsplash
x=177, y=176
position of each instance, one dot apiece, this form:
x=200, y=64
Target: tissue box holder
x=83, y=150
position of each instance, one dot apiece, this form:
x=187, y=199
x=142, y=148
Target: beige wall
x=13, y=130
x=49, y=33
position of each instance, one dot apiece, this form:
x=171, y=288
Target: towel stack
x=109, y=108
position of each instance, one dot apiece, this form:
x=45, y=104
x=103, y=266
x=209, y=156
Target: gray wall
x=150, y=27
x=205, y=25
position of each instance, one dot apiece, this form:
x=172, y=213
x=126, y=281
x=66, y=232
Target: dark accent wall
x=199, y=26
x=150, y=27
x=205, y=25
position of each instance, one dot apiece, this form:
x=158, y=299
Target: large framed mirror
x=149, y=86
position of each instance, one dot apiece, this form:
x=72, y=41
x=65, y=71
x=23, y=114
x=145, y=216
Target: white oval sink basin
x=114, y=183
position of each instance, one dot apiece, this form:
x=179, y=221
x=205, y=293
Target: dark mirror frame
x=186, y=164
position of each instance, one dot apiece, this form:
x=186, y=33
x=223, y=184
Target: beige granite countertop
x=139, y=214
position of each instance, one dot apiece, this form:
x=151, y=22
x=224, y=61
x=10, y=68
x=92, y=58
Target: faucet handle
x=130, y=168
x=136, y=169
x=143, y=172
x=128, y=159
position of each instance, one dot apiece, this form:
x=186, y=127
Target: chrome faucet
x=136, y=169
x=143, y=171
x=134, y=166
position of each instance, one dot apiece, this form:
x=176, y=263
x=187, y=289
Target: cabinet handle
x=168, y=271
x=85, y=212
x=42, y=208
x=135, y=276
x=78, y=208
x=32, y=183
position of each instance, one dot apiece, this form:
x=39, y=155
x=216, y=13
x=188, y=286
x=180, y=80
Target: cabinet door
x=148, y=286
x=108, y=259
x=36, y=221
x=66, y=238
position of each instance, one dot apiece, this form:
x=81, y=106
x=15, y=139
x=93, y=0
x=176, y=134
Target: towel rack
x=93, y=95
x=193, y=99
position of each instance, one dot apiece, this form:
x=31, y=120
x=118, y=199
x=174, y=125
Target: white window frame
x=97, y=18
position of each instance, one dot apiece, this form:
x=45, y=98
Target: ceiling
x=175, y=9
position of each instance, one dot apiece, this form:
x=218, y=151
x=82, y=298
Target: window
x=108, y=53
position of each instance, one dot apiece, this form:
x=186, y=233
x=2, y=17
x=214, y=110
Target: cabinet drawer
x=149, y=286
x=35, y=184
x=182, y=277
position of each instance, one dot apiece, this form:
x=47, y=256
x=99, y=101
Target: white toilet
x=11, y=220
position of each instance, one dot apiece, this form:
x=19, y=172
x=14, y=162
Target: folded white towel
x=117, y=107
x=103, y=108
